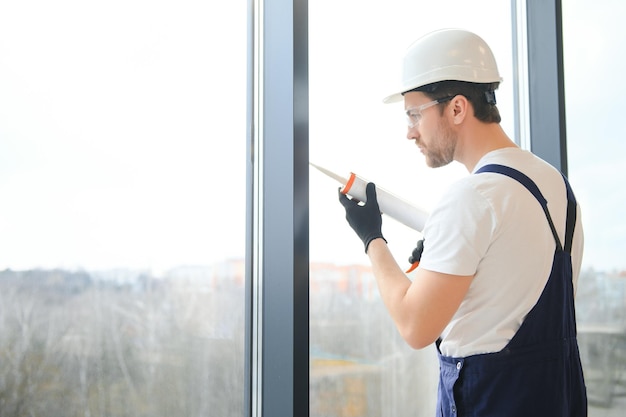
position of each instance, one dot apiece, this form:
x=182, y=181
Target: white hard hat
x=446, y=54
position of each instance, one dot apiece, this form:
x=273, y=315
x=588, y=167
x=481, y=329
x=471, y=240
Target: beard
x=441, y=152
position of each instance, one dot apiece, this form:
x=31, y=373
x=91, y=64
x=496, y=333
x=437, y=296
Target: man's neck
x=479, y=141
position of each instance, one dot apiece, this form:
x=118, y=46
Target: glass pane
x=360, y=366
x=121, y=240
x=596, y=149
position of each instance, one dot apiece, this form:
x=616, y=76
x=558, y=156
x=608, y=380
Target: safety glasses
x=414, y=114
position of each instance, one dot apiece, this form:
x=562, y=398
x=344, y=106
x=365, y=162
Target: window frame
x=277, y=230
x=539, y=83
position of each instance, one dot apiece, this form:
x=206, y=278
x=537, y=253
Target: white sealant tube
x=389, y=204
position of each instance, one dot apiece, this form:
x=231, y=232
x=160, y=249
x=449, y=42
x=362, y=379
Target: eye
x=413, y=116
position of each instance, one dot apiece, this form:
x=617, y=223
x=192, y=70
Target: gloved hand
x=365, y=219
x=416, y=256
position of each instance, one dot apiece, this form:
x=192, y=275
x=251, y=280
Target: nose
x=412, y=133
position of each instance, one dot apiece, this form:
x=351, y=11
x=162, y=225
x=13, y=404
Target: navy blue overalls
x=539, y=372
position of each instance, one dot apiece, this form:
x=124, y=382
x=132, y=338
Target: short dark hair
x=482, y=96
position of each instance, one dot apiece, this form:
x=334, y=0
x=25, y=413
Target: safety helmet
x=446, y=54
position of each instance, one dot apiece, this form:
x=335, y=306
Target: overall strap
x=534, y=190
x=571, y=217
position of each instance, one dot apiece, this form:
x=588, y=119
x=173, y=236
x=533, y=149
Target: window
x=121, y=240
x=595, y=144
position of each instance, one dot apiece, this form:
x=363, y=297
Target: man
x=501, y=251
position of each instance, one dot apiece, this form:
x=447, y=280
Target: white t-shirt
x=491, y=226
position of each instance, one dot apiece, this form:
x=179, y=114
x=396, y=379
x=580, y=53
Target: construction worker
x=502, y=250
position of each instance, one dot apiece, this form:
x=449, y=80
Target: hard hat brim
x=393, y=98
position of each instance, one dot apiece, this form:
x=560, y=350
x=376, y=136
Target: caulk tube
x=390, y=204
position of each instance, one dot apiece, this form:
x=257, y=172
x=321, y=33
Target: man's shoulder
x=543, y=174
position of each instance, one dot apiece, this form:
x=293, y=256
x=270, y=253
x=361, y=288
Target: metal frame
x=277, y=259
x=540, y=83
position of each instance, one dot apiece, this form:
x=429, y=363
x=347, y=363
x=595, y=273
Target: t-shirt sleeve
x=458, y=231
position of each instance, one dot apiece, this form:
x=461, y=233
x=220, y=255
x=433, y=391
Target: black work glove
x=416, y=255
x=365, y=219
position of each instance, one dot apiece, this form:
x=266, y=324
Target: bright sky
x=122, y=130
x=122, y=126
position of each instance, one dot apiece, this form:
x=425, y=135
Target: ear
x=460, y=109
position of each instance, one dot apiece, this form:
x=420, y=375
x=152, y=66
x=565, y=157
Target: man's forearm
x=420, y=308
x=393, y=283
